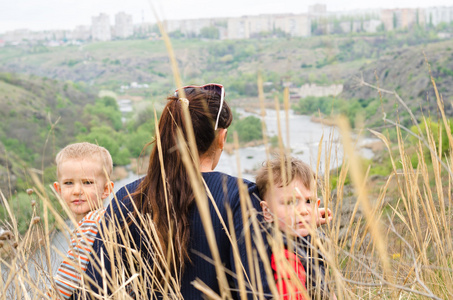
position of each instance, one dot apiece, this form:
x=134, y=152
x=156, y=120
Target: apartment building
x=81, y=33
x=249, y=26
x=19, y=36
x=100, y=28
x=314, y=90
x=294, y=25
x=124, y=27
x=192, y=28
x=436, y=15
x=400, y=18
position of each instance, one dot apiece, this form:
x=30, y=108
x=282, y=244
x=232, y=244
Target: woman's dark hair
x=149, y=197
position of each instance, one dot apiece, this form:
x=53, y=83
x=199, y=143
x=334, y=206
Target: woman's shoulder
x=222, y=183
x=128, y=188
x=123, y=200
x=219, y=176
x=231, y=183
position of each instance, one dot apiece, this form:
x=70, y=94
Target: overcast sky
x=66, y=14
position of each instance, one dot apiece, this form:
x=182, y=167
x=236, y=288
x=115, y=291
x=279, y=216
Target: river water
x=304, y=139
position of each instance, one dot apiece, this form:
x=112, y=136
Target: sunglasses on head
x=218, y=88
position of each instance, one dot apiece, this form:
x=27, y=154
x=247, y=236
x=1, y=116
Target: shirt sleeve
x=68, y=276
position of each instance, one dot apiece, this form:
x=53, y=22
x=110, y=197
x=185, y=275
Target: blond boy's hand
x=325, y=215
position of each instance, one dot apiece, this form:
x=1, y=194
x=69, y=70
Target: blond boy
x=83, y=172
x=289, y=202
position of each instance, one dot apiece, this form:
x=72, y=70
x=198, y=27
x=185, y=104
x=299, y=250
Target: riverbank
x=323, y=120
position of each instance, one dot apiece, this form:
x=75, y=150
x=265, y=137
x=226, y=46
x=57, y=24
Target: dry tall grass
x=396, y=250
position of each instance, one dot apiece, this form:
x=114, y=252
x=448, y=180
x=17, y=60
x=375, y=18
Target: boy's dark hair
x=284, y=169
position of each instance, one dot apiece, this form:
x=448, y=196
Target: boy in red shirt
x=288, y=189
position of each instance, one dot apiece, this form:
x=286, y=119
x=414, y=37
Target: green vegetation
x=140, y=131
x=331, y=105
x=248, y=129
x=23, y=206
x=110, y=139
x=104, y=111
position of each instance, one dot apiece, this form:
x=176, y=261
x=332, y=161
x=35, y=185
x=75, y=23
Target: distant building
x=100, y=28
x=81, y=33
x=250, y=26
x=371, y=26
x=17, y=36
x=436, y=15
x=294, y=25
x=192, y=27
x=124, y=27
x=347, y=27
x=401, y=18
x=314, y=90
x=144, y=29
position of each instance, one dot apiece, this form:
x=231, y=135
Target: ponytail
x=150, y=196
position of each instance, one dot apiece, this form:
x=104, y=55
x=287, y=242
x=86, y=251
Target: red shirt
x=286, y=289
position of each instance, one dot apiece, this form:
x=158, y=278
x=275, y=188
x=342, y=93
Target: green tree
x=105, y=111
x=248, y=129
x=111, y=140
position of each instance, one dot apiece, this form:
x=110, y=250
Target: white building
x=371, y=25
x=124, y=27
x=100, y=28
x=294, y=25
x=249, y=26
x=437, y=15
x=81, y=33
x=318, y=90
x=17, y=36
x=401, y=18
x=191, y=27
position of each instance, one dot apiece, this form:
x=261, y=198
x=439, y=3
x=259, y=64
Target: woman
x=177, y=252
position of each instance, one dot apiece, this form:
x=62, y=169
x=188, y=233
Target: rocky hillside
x=407, y=71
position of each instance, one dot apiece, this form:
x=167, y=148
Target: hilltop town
x=317, y=21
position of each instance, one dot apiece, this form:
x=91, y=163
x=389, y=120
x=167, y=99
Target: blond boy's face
x=83, y=185
x=294, y=207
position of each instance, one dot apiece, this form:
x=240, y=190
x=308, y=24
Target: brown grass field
x=397, y=249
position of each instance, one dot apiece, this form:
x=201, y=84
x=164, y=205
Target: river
x=304, y=139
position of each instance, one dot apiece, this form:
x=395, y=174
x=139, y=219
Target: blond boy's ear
x=56, y=186
x=108, y=189
x=268, y=217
